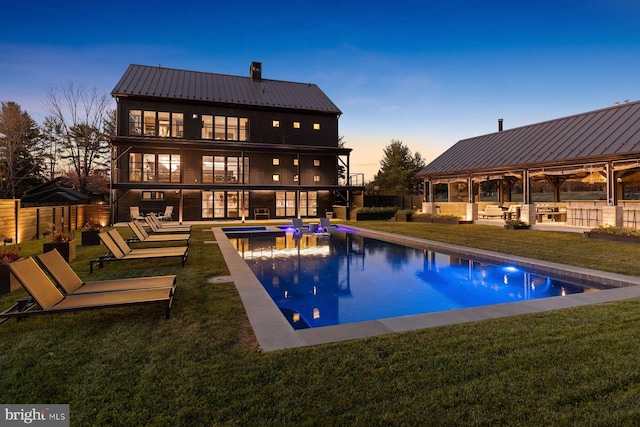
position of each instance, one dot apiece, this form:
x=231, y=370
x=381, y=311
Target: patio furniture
x=141, y=235
x=513, y=212
x=68, y=280
x=491, y=211
x=326, y=226
x=167, y=215
x=134, y=212
x=159, y=227
x=262, y=213
x=299, y=227
x=46, y=296
x=120, y=251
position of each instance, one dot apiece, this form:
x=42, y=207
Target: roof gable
x=609, y=132
x=158, y=82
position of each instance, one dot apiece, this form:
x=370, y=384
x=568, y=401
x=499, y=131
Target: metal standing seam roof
x=158, y=82
x=610, y=132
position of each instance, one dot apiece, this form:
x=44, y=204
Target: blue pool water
x=319, y=280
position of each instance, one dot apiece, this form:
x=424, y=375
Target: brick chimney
x=255, y=71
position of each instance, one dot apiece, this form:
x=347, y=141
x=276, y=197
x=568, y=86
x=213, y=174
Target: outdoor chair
x=68, y=280
x=298, y=226
x=167, y=215
x=120, y=251
x=47, y=299
x=141, y=236
x=134, y=212
x=157, y=227
x=326, y=226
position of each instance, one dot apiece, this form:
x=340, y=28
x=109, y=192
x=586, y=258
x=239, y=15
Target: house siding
x=313, y=142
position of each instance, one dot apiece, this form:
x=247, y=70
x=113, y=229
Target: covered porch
x=578, y=171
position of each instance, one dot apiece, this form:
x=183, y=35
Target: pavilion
x=537, y=167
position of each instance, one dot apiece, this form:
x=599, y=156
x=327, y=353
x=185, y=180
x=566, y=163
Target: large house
x=218, y=146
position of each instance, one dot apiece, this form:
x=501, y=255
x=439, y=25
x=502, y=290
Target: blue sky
x=428, y=73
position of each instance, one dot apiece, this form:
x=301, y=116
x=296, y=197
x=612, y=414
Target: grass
x=128, y=367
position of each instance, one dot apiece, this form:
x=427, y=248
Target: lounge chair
x=326, y=226
x=134, y=212
x=167, y=215
x=299, y=227
x=141, y=235
x=120, y=251
x=50, y=300
x=68, y=280
x=158, y=227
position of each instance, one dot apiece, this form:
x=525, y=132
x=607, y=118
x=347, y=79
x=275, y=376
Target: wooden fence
x=23, y=224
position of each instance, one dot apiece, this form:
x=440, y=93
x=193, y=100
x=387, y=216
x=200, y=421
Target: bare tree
x=78, y=130
x=20, y=151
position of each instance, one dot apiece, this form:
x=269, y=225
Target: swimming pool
x=319, y=280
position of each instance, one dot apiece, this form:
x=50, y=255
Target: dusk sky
x=428, y=73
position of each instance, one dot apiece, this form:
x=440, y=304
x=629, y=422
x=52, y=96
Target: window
x=135, y=122
x=316, y=126
x=177, y=125
x=285, y=203
x=244, y=129
x=225, y=128
x=232, y=128
x=135, y=167
x=276, y=123
x=149, y=123
x=207, y=127
x=153, y=195
x=316, y=178
x=296, y=125
x=149, y=167
x=207, y=169
x=316, y=162
x=216, y=203
x=308, y=203
x=295, y=162
x=276, y=162
x=163, y=124
x=220, y=127
x=219, y=163
x=245, y=173
x=225, y=170
x=295, y=178
x=275, y=177
x=233, y=170
x=207, y=204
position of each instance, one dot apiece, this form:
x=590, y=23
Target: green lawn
x=203, y=367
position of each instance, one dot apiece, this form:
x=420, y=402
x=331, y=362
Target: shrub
x=618, y=231
x=9, y=254
x=515, y=223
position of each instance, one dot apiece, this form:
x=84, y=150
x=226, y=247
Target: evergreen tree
x=398, y=169
x=21, y=164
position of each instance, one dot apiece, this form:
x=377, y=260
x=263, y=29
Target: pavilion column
x=428, y=205
x=612, y=198
x=472, y=207
x=612, y=214
x=528, y=210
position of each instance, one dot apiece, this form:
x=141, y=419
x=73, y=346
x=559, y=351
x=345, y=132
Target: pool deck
x=274, y=332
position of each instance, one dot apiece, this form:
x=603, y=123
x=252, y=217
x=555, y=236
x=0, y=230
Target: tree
x=398, y=169
x=78, y=131
x=20, y=151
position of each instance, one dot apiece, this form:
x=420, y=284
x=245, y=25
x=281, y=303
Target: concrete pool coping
x=274, y=332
